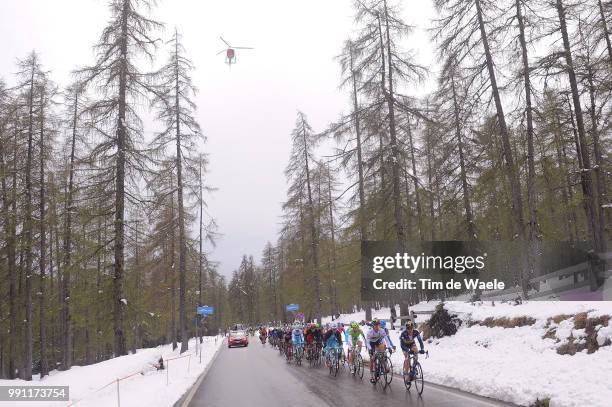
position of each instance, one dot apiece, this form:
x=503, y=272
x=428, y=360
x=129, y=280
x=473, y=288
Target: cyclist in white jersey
x=376, y=340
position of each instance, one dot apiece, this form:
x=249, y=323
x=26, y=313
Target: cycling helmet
x=334, y=325
x=296, y=325
x=409, y=324
x=375, y=321
x=383, y=324
x=354, y=325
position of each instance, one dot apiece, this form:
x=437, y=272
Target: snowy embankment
x=521, y=364
x=141, y=383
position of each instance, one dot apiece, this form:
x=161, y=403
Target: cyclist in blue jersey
x=332, y=338
x=408, y=344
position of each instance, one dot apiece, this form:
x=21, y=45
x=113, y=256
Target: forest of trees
x=97, y=253
x=513, y=143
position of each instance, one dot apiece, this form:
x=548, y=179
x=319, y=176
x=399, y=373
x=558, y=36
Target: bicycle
x=298, y=354
x=289, y=352
x=310, y=351
x=417, y=371
x=318, y=354
x=389, y=365
x=382, y=363
x=332, y=357
x=357, y=363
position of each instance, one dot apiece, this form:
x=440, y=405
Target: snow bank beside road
x=147, y=386
x=517, y=364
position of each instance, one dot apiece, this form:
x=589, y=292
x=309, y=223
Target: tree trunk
x=534, y=229
x=357, y=126
x=28, y=226
x=10, y=236
x=517, y=201
x=469, y=217
x=417, y=196
x=119, y=227
x=600, y=174
x=44, y=367
x=606, y=30
x=181, y=215
x=397, y=203
x=334, y=299
x=200, y=241
x=585, y=169
x=313, y=233
x=172, y=268
x=566, y=187
x=432, y=212
x=66, y=275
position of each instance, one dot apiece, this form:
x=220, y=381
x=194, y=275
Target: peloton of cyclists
x=330, y=338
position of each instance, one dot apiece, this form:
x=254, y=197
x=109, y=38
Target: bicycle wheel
x=388, y=370
x=407, y=381
x=336, y=363
x=418, y=378
x=382, y=372
x=289, y=353
x=358, y=360
x=299, y=353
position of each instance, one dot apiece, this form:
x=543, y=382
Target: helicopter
x=230, y=52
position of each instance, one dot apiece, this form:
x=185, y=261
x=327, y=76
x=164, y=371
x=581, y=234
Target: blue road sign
x=293, y=307
x=205, y=310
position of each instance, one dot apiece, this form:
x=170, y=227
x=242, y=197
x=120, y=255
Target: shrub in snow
x=583, y=333
x=442, y=323
x=541, y=403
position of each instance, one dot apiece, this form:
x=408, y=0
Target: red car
x=237, y=338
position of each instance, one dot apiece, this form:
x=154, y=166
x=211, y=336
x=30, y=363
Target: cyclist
x=318, y=337
x=408, y=344
x=344, y=333
x=383, y=325
x=263, y=334
x=297, y=336
x=286, y=337
x=332, y=339
x=376, y=340
x=353, y=339
x=309, y=337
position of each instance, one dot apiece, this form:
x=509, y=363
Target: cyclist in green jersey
x=354, y=335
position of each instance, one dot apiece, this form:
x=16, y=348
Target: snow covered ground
x=95, y=385
x=517, y=364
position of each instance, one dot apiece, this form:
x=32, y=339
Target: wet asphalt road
x=258, y=376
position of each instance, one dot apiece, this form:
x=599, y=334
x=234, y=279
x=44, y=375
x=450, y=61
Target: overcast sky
x=247, y=112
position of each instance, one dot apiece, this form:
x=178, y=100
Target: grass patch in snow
x=504, y=322
x=578, y=332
